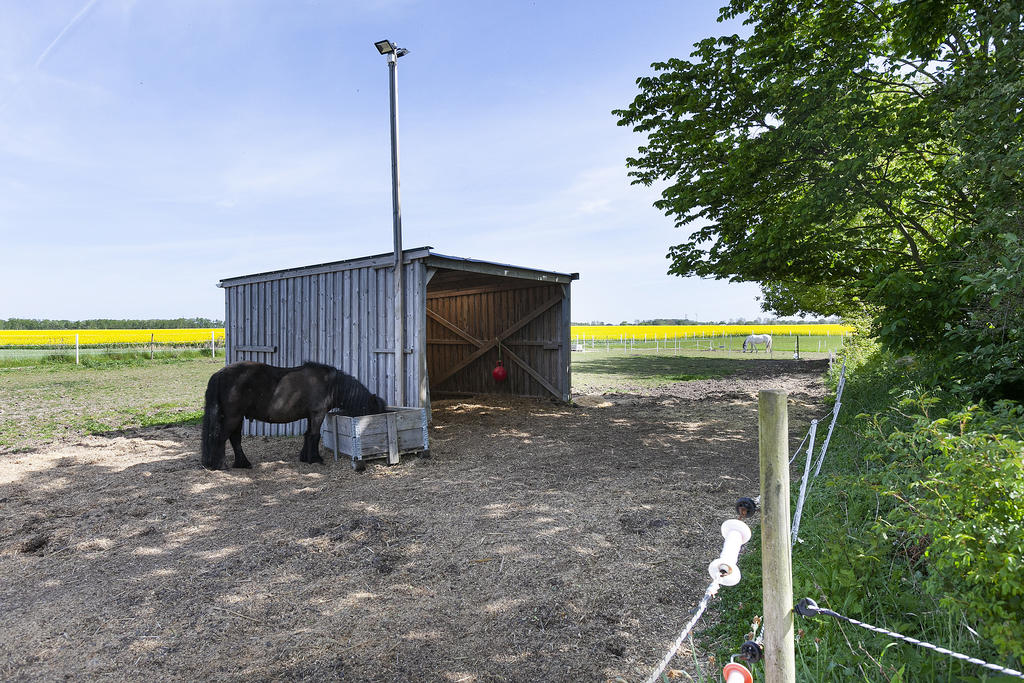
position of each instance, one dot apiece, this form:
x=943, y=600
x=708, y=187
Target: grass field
x=49, y=402
x=651, y=332
x=783, y=346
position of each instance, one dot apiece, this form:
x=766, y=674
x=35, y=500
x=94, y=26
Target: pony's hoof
x=245, y=464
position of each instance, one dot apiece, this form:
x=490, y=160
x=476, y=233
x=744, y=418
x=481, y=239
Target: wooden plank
x=466, y=361
x=392, y=439
x=422, y=278
x=367, y=425
x=344, y=329
x=379, y=445
x=440, y=320
x=332, y=420
x=360, y=423
x=526, y=319
x=253, y=348
x=534, y=374
x=321, y=319
x=452, y=289
x=547, y=344
x=564, y=369
x=364, y=322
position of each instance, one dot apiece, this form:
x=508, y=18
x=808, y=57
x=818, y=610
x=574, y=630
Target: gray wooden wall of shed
x=344, y=318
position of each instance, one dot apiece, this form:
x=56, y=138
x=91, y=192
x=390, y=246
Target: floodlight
x=385, y=47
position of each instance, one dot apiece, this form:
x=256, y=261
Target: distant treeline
x=737, y=321
x=107, y=324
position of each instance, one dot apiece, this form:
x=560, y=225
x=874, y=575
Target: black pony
x=264, y=392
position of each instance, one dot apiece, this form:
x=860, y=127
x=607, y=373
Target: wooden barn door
x=526, y=324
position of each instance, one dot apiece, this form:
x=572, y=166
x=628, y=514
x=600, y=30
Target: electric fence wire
x=807, y=607
x=708, y=594
x=805, y=482
x=802, y=442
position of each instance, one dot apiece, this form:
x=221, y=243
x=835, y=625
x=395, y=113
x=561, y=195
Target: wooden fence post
x=776, y=551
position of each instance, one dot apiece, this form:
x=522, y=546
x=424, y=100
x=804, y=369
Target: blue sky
x=149, y=149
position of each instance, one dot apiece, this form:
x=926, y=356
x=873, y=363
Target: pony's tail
x=211, y=456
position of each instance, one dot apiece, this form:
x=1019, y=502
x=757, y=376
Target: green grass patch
x=614, y=372
x=783, y=345
x=97, y=358
x=60, y=400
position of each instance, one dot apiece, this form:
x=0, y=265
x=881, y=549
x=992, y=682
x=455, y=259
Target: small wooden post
x=76, y=350
x=152, y=338
x=776, y=552
x=393, y=457
x=213, y=343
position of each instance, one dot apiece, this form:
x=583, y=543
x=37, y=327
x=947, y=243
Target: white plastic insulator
x=725, y=569
x=737, y=673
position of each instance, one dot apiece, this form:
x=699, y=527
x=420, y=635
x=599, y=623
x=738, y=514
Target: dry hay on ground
x=542, y=542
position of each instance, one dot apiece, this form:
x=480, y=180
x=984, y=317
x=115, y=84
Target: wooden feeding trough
x=390, y=435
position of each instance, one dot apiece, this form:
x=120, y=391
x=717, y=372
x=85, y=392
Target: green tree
x=854, y=157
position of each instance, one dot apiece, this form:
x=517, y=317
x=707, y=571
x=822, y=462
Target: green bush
x=915, y=524
x=966, y=519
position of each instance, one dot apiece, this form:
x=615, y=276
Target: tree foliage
x=855, y=156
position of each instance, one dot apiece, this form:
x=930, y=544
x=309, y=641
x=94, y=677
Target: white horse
x=753, y=340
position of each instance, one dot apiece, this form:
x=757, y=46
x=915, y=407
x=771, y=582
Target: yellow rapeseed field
x=108, y=337
x=598, y=332
x=652, y=332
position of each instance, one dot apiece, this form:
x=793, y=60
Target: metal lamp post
x=392, y=53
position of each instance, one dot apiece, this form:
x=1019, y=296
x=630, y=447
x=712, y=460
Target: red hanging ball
x=499, y=373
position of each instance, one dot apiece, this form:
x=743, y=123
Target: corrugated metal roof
x=433, y=260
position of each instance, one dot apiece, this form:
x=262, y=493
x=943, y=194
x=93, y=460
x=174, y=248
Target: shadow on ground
x=540, y=542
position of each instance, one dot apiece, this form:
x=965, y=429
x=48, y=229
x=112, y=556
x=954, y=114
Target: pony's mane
x=347, y=390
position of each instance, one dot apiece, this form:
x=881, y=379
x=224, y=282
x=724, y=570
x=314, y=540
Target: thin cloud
x=67, y=29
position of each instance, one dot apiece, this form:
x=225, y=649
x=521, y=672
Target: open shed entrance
x=478, y=313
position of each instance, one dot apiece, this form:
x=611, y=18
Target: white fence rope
x=663, y=664
x=804, y=481
x=835, y=416
x=724, y=572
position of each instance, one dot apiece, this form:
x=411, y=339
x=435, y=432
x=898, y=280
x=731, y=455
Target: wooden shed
x=459, y=315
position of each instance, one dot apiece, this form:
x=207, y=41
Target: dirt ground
x=541, y=542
